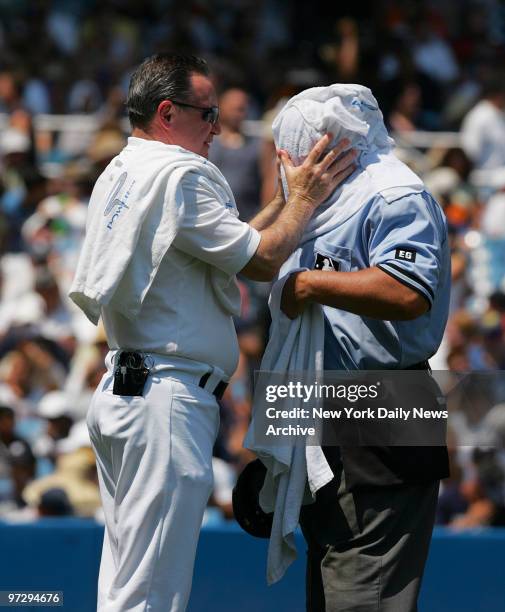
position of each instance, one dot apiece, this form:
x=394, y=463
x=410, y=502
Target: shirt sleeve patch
x=406, y=254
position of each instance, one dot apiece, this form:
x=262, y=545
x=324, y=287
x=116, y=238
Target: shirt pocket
x=331, y=257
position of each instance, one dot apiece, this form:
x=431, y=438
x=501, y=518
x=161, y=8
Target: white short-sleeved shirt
x=180, y=315
x=483, y=136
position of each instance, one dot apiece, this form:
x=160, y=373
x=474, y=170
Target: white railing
x=65, y=123
x=413, y=144
x=428, y=140
x=87, y=123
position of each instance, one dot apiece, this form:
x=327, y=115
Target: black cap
x=55, y=502
x=246, y=507
x=6, y=410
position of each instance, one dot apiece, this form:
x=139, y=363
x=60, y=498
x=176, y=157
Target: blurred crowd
x=64, y=71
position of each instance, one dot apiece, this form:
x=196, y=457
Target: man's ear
x=164, y=111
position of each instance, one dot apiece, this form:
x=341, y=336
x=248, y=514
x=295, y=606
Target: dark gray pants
x=367, y=549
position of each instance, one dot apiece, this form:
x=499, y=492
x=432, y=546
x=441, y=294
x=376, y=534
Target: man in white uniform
x=483, y=129
x=162, y=248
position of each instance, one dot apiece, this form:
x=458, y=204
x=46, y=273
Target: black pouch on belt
x=130, y=374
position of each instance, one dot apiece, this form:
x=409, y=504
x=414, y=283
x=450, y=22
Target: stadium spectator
x=432, y=55
x=452, y=502
x=10, y=91
x=483, y=129
x=54, y=502
x=405, y=113
x=17, y=462
x=76, y=474
x=450, y=182
x=343, y=55
x=236, y=154
x=56, y=409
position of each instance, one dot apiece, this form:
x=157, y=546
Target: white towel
x=134, y=213
x=349, y=111
x=294, y=346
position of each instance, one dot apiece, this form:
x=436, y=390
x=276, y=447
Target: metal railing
x=87, y=123
x=413, y=145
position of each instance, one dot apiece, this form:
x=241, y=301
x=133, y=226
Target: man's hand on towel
x=319, y=175
x=293, y=300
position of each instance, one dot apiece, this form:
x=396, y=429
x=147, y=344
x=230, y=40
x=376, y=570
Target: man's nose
x=216, y=128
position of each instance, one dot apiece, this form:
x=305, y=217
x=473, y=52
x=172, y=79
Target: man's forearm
x=368, y=293
x=268, y=214
x=280, y=239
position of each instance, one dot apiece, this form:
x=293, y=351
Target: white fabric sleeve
x=473, y=135
x=210, y=231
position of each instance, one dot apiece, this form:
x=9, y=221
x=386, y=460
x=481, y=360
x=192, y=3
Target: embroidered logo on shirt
x=406, y=254
x=116, y=202
x=323, y=262
x=113, y=200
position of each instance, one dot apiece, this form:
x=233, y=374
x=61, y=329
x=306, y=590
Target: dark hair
x=163, y=76
x=6, y=411
x=493, y=84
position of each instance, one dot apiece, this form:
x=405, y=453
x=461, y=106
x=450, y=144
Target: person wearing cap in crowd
x=107, y=143
x=75, y=474
x=22, y=185
x=54, y=502
x=17, y=462
x=376, y=261
x=158, y=264
x=55, y=407
x=483, y=128
x=15, y=163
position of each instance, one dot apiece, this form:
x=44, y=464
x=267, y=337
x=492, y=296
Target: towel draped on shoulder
x=135, y=211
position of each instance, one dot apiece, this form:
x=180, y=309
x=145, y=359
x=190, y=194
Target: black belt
x=219, y=389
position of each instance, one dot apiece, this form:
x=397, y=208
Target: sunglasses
x=209, y=113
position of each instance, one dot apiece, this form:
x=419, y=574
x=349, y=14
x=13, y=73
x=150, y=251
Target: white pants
x=154, y=460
